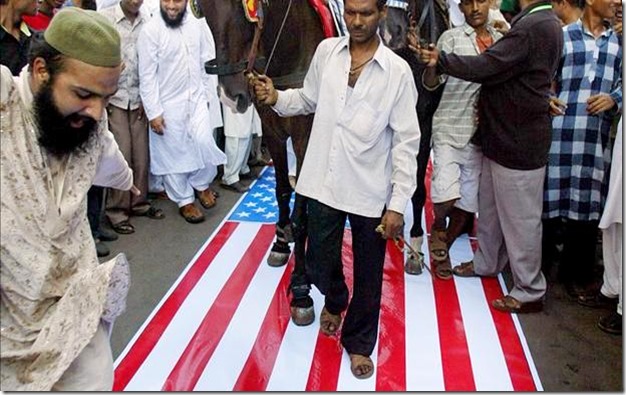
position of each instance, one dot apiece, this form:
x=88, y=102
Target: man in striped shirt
x=456, y=161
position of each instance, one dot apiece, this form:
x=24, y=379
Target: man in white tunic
x=57, y=301
x=175, y=90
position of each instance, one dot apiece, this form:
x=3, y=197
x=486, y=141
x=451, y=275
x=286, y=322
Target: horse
x=430, y=18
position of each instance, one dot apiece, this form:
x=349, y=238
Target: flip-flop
x=465, y=269
x=329, y=323
x=124, y=228
x=361, y=366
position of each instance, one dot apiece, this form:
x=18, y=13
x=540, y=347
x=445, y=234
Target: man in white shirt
x=175, y=91
x=360, y=164
x=127, y=121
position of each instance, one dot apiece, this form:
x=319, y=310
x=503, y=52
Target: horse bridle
x=252, y=61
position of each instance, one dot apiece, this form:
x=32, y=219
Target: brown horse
x=286, y=41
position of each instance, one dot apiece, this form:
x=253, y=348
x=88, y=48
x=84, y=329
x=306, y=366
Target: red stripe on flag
x=324, y=373
x=194, y=359
x=154, y=329
x=455, y=359
x=392, y=331
x=516, y=361
x=258, y=367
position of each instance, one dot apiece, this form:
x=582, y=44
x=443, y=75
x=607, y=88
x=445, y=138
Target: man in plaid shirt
x=588, y=83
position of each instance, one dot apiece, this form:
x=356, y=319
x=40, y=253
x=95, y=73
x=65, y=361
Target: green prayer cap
x=84, y=35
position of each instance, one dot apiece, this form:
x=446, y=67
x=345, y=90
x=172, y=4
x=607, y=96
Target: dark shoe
x=101, y=248
x=161, y=195
x=509, y=304
x=105, y=234
x=597, y=301
x=576, y=291
x=152, y=213
x=124, y=228
x=611, y=323
x=236, y=187
x=191, y=213
x=207, y=198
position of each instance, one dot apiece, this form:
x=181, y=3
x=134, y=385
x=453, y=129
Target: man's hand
x=142, y=112
x=392, y=224
x=598, y=103
x=425, y=53
x=158, y=125
x=557, y=106
x=263, y=89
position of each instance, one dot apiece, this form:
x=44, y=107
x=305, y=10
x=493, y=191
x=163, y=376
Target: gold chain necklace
x=353, y=70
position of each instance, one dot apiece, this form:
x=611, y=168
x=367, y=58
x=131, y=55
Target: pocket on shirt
x=362, y=121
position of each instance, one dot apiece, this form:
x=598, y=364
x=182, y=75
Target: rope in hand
x=403, y=246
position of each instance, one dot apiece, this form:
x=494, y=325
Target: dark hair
x=39, y=48
x=89, y=5
x=381, y=4
x=4, y=2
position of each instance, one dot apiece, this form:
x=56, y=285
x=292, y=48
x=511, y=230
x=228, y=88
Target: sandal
x=443, y=269
x=329, y=323
x=509, y=304
x=361, y=366
x=207, y=198
x=438, y=246
x=123, y=228
x=152, y=213
x=465, y=269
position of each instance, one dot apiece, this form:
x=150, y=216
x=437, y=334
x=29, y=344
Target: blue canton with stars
x=259, y=204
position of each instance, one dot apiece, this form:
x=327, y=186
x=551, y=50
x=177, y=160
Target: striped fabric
x=224, y=325
x=579, y=157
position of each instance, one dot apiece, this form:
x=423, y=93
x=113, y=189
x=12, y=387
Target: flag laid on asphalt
x=224, y=324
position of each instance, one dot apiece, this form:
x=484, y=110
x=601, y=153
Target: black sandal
x=124, y=228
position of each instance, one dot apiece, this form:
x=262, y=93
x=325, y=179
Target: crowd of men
x=101, y=107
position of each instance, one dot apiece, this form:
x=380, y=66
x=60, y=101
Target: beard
x=56, y=133
x=173, y=22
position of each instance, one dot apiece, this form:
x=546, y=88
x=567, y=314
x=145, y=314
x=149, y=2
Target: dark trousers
x=95, y=197
x=325, y=269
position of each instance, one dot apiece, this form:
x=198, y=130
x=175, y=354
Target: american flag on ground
x=224, y=325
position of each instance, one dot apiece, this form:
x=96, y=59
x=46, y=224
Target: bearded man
x=177, y=96
x=57, y=301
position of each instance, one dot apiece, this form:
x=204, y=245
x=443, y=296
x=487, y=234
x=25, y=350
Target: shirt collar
x=467, y=29
x=23, y=29
x=119, y=15
x=380, y=56
x=582, y=27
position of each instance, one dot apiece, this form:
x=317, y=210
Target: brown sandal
x=509, y=304
x=438, y=246
x=361, y=366
x=465, y=269
x=329, y=323
x=443, y=269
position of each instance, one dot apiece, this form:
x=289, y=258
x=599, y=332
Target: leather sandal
x=509, y=304
x=438, y=246
x=465, y=269
x=152, y=213
x=329, y=323
x=443, y=269
x=124, y=228
x=361, y=366
x=191, y=213
x=206, y=198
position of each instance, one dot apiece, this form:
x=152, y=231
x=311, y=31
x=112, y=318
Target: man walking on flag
x=360, y=165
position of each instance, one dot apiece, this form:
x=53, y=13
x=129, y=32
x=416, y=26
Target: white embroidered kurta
x=54, y=292
x=173, y=84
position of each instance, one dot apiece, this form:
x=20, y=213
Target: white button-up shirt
x=362, y=150
x=127, y=95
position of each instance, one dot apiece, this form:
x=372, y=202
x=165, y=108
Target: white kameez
x=54, y=292
x=173, y=84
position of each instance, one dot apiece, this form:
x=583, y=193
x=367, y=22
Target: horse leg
x=279, y=254
x=301, y=304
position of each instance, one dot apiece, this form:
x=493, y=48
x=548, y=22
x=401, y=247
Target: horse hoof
x=413, y=265
x=277, y=259
x=302, y=316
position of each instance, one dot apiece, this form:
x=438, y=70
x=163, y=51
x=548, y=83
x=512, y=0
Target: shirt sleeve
x=147, y=50
x=405, y=144
x=303, y=101
x=500, y=62
x=112, y=170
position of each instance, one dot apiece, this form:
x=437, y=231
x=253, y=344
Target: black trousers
x=95, y=198
x=325, y=270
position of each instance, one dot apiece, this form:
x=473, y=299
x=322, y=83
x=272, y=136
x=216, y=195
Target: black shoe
x=101, y=249
x=105, y=234
x=236, y=187
x=597, y=301
x=611, y=323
